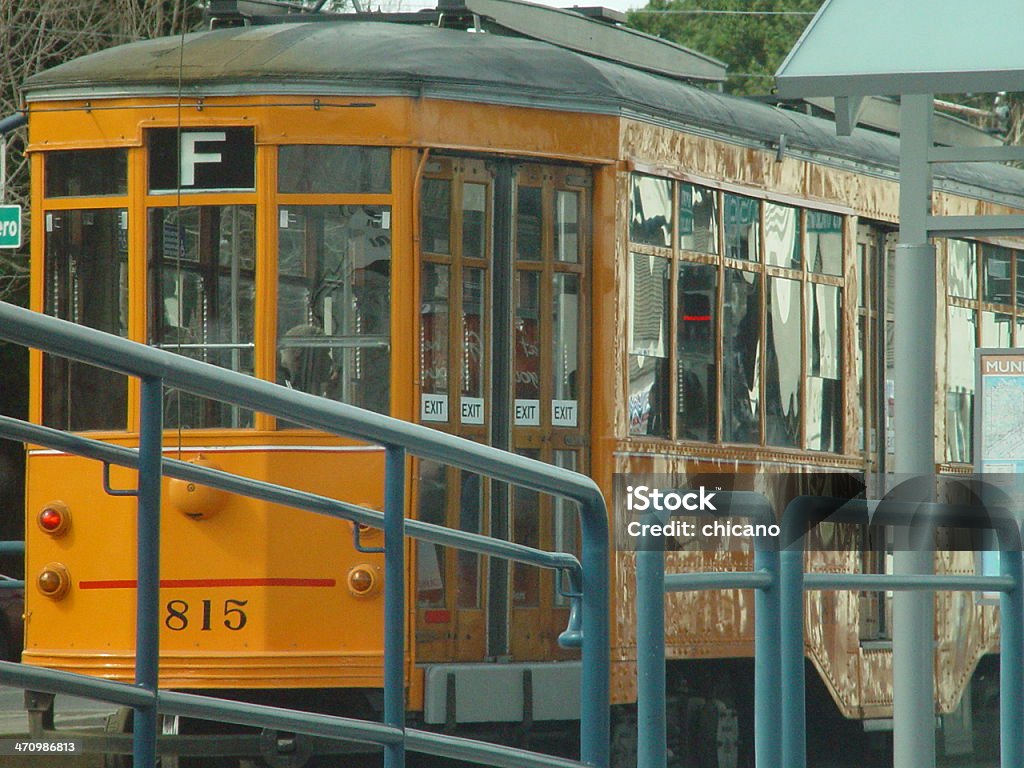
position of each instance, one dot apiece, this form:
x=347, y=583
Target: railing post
x=791, y=638
x=594, y=683
x=147, y=618
x=1011, y=663
x=394, y=600
x=767, y=661
x=652, y=731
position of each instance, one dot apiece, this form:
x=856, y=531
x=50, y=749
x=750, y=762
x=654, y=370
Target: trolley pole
x=914, y=612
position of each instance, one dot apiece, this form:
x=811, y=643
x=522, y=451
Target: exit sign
x=10, y=226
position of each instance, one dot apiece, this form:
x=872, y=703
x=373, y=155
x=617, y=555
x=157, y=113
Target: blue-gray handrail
x=468, y=541
x=805, y=512
x=652, y=583
x=158, y=368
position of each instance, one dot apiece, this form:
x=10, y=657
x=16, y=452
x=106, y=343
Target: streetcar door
x=503, y=251
x=551, y=250
x=456, y=248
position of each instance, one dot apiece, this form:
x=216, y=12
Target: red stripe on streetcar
x=179, y=583
x=698, y=318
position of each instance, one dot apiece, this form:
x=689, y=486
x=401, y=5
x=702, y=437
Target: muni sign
x=10, y=226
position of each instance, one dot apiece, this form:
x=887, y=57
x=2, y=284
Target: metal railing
x=780, y=734
x=157, y=369
x=806, y=512
x=651, y=585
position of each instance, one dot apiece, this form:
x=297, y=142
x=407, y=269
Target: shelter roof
x=880, y=47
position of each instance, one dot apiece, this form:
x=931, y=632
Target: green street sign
x=10, y=226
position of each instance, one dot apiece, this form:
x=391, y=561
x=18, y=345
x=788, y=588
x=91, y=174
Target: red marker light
x=50, y=519
x=55, y=518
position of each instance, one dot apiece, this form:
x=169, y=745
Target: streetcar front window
x=86, y=282
x=334, y=302
x=82, y=172
x=324, y=169
x=202, y=300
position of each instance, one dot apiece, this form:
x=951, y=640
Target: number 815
x=231, y=615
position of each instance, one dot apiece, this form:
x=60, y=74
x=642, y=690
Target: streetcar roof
x=355, y=58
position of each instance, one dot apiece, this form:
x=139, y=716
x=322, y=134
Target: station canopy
x=857, y=48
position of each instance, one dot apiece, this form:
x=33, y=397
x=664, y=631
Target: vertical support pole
x=652, y=731
x=595, y=693
x=394, y=600
x=791, y=638
x=914, y=612
x=502, y=372
x=1011, y=663
x=147, y=621
x=767, y=662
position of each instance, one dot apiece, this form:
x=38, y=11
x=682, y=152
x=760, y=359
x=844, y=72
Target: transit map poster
x=999, y=430
x=999, y=414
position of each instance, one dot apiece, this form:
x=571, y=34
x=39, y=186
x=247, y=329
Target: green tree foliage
x=751, y=36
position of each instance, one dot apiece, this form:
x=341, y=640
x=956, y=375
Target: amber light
x=53, y=581
x=55, y=518
x=363, y=581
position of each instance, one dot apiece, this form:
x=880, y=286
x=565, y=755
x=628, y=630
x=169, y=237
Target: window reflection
x=742, y=227
x=202, y=299
x=782, y=363
x=565, y=339
x=649, y=339
x=473, y=333
x=996, y=328
x=1019, y=261
x=996, y=286
x=567, y=226
x=474, y=220
x=824, y=378
x=961, y=332
x=86, y=282
x=434, y=313
x=83, y=172
x=566, y=519
x=824, y=243
x=697, y=382
x=526, y=530
x=782, y=236
x=650, y=211
x=471, y=506
x=528, y=223
x=741, y=349
x=430, y=558
x=326, y=169
x=698, y=219
x=334, y=302
x=962, y=269
x=435, y=215
x=527, y=349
